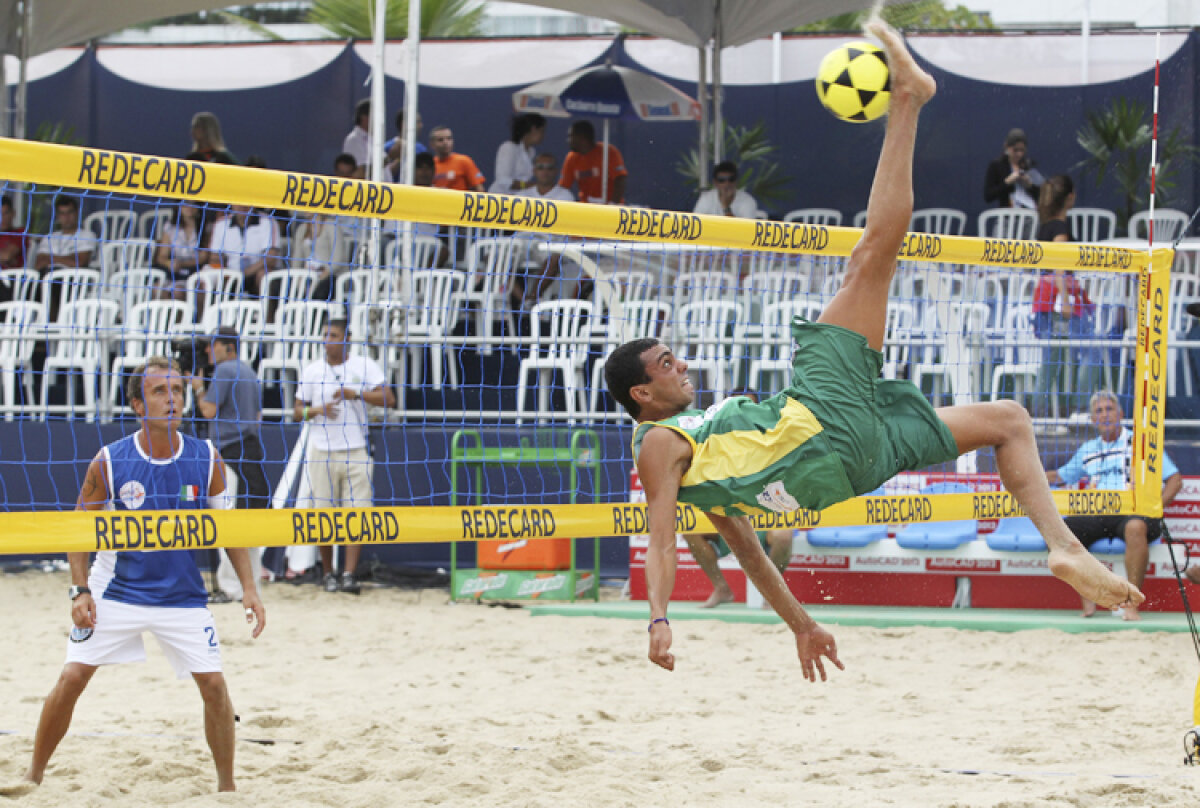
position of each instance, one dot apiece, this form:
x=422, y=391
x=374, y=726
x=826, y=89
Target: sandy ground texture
x=397, y=698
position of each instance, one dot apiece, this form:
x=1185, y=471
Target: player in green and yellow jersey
x=837, y=430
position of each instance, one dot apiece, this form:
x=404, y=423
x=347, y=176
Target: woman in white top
x=248, y=241
x=514, y=158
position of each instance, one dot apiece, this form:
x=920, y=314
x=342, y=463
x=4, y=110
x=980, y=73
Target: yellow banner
x=1149, y=384
x=149, y=176
x=91, y=531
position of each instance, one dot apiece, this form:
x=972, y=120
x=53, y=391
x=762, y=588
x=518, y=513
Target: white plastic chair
x=1168, y=225
x=957, y=360
x=941, y=221
x=151, y=222
x=299, y=331
x=130, y=287
x=425, y=252
x=20, y=330
x=245, y=316
x=818, y=216
x=629, y=320
x=897, y=338
x=1012, y=223
x=490, y=267
x=860, y=219
x=423, y=320
x=558, y=332
x=62, y=286
x=1021, y=356
x=111, y=225
x=118, y=255
x=702, y=281
x=212, y=286
x=148, y=330
x=79, y=342
x=366, y=285
x=23, y=285
x=774, y=355
x=279, y=287
x=703, y=333
x=1092, y=224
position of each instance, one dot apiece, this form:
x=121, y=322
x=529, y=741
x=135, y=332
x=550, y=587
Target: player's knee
x=212, y=688
x=75, y=678
x=1136, y=533
x=1012, y=416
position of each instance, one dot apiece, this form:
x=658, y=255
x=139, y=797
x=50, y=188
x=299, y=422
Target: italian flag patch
x=190, y=493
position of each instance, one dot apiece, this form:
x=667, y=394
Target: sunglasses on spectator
x=725, y=178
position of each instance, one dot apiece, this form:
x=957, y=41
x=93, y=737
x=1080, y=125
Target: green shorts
x=877, y=427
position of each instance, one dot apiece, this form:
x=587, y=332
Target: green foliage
x=352, y=19
x=758, y=172
x=914, y=16
x=1117, y=139
x=39, y=214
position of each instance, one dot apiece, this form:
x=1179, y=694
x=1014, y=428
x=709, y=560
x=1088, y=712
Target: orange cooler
x=524, y=554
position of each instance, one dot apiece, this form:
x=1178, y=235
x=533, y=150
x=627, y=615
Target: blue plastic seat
x=851, y=536
x=939, y=535
x=1016, y=535
x=1110, y=546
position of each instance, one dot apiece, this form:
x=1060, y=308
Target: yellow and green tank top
x=750, y=457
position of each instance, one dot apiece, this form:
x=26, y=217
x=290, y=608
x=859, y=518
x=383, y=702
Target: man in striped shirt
x=1104, y=464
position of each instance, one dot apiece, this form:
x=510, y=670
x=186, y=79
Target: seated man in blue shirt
x=1105, y=463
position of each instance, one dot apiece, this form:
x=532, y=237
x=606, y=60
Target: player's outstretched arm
x=812, y=641
x=662, y=461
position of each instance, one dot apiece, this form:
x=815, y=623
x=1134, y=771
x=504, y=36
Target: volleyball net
x=491, y=317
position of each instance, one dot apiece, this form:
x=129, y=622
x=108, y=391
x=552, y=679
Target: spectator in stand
x=545, y=181
x=180, y=248
x=334, y=393
x=394, y=148
x=331, y=238
x=424, y=170
x=1104, y=464
x=1062, y=310
x=207, y=144
x=12, y=238
x=1011, y=180
x=725, y=198
x=70, y=245
x=246, y=240
x=452, y=170
x=514, y=158
x=357, y=144
x=585, y=165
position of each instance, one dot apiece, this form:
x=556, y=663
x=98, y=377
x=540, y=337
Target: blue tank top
x=168, y=578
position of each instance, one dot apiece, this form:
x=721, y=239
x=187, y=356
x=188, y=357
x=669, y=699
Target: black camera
x=191, y=352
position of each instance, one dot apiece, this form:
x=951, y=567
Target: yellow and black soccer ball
x=853, y=82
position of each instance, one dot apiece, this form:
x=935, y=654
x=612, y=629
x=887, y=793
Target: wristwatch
x=76, y=591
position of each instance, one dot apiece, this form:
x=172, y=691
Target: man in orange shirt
x=452, y=170
x=585, y=165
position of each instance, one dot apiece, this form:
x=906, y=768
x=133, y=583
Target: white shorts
x=188, y=637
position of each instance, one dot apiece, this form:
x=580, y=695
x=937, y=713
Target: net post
x=1149, y=388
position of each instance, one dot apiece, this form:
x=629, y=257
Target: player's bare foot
x=18, y=788
x=908, y=80
x=718, y=597
x=1089, y=608
x=1130, y=614
x=1093, y=580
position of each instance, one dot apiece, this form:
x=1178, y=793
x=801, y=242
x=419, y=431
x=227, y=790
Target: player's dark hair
x=725, y=167
x=226, y=335
x=522, y=125
x=340, y=323
x=1053, y=196
x=345, y=159
x=65, y=201
x=361, y=109
x=423, y=160
x=584, y=129
x=624, y=370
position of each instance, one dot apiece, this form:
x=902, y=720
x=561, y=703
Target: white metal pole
x=718, y=90
x=702, y=98
x=378, y=118
x=1085, y=35
x=412, y=89
x=604, y=168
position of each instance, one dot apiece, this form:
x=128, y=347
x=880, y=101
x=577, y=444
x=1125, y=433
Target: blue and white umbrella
x=607, y=91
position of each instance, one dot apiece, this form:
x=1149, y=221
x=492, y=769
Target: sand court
x=397, y=698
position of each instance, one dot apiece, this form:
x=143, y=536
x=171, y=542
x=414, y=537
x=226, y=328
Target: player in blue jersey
x=131, y=592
